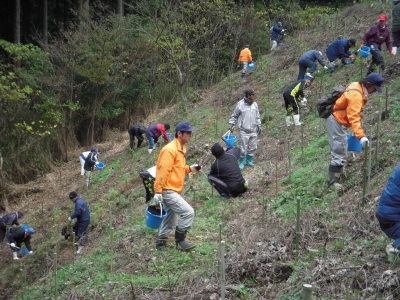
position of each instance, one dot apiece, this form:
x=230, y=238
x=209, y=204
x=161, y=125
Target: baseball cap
x=73, y=195
x=30, y=230
x=249, y=92
x=95, y=149
x=184, y=126
x=377, y=80
x=353, y=42
x=280, y=24
x=247, y=46
x=382, y=17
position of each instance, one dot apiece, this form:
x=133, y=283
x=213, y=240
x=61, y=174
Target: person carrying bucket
x=82, y=215
x=153, y=132
x=84, y=155
x=168, y=186
x=225, y=175
x=292, y=97
x=340, y=49
x=91, y=160
x=347, y=113
x=247, y=115
x=244, y=59
x=18, y=235
x=374, y=38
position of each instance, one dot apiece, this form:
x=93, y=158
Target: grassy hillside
x=341, y=251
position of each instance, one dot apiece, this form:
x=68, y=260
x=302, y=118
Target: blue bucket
x=353, y=143
x=25, y=226
x=250, y=65
x=364, y=51
x=230, y=140
x=25, y=251
x=347, y=63
x=154, y=221
x=170, y=136
x=100, y=165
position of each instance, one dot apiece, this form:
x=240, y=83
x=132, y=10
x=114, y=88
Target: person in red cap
x=374, y=38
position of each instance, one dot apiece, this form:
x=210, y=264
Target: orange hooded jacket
x=348, y=107
x=171, y=168
x=245, y=55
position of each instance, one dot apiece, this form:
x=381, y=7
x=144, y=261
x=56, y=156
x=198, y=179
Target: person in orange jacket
x=245, y=58
x=347, y=113
x=374, y=38
x=168, y=186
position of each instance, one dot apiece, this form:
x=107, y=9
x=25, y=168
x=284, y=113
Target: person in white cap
x=308, y=60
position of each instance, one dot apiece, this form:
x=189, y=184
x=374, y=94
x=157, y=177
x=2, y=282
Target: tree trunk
x=44, y=27
x=17, y=28
x=120, y=7
x=3, y=199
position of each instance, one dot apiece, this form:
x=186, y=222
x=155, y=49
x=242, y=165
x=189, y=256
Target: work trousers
x=305, y=63
x=176, y=206
x=337, y=141
x=290, y=102
x=247, y=143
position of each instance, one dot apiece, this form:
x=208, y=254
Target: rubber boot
x=80, y=248
x=288, y=121
x=150, y=150
x=161, y=243
x=249, y=160
x=181, y=244
x=241, y=163
x=334, y=176
x=296, y=119
x=15, y=255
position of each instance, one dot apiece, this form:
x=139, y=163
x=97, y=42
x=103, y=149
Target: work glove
x=230, y=127
x=156, y=201
x=96, y=163
x=30, y=252
x=352, y=57
x=304, y=101
x=364, y=141
x=12, y=245
x=325, y=67
x=69, y=219
x=391, y=52
x=361, y=45
x=194, y=167
x=259, y=130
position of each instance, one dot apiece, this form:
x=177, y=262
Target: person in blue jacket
x=388, y=213
x=82, y=215
x=307, y=60
x=339, y=49
x=276, y=31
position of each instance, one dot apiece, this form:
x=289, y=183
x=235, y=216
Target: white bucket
x=394, y=50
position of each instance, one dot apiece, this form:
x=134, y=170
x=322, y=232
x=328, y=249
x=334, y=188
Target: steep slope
x=341, y=249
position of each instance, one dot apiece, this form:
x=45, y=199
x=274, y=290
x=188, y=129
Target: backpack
x=326, y=103
x=271, y=30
